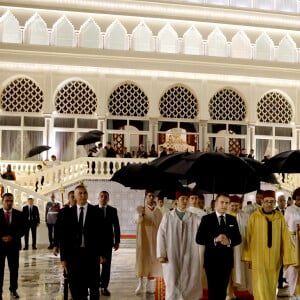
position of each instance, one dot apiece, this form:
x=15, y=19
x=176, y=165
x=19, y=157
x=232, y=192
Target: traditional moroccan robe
x=249, y=209
x=241, y=273
x=147, y=226
x=266, y=262
x=292, y=217
x=196, y=210
x=176, y=241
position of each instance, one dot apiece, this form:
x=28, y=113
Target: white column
x=203, y=141
x=250, y=136
x=48, y=133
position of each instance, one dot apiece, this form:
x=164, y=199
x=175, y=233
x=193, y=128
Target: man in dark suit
x=81, y=246
x=32, y=215
x=219, y=233
x=12, y=226
x=111, y=238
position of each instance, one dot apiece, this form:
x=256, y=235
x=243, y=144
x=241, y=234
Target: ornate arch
x=128, y=100
x=22, y=95
x=274, y=107
x=227, y=105
x=178, y=102
x=75, y=97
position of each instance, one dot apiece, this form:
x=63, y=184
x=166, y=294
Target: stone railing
x=21, y=195
x=58, y=177
x=69, y=172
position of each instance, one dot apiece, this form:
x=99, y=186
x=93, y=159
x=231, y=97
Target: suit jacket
x=70, y=233
x=277, y=208
x=35, y=217
x=217, y=254
x=111, y=226
x=16, y=229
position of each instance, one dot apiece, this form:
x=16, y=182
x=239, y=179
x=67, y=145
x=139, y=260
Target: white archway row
x=167, y=40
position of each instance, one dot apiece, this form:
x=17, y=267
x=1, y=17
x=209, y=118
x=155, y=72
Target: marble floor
x=40, y=276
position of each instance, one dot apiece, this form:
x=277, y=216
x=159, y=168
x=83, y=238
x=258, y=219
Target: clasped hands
x=7, y=238
x=223, y=239
x=163, y=260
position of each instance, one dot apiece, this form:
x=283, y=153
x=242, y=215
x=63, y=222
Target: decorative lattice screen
x=128, y=100
x=178, y=102
x=76, y=97
x=274, y=108
x=227, y=105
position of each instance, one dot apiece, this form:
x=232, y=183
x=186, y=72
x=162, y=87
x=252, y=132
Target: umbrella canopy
x=284, y=162
x=88, y=138
x=37, y=150
x=215, y=172
x=263, y=174
x=144, y=177
x=95, y=132
x=162, y=163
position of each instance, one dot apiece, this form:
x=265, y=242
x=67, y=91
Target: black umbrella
x=95, y=132
x=263, y=174
x=144, y=177
x=37, y=150
x=88, y=138
x=162, y=163
x=215, y=172
x=284, y=162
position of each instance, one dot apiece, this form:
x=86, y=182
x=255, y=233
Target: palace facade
x=195, y=75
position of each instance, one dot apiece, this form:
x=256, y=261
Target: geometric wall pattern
x=128, y=100
x=76, y=97
x=274, y=108
x=227, y=105
x=22, y=95
x=178, y=102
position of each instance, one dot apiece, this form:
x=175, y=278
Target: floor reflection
x=41, y=278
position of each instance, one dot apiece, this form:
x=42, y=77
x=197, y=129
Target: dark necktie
x=81, y=218
x=80, y=222
x=269, y=223
x=104, y=211
x=282, y=211
x=7, y=218
x=222, y=224
x=30, y=213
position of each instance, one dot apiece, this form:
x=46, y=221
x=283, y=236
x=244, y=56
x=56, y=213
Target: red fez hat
x=296, y=193
x=269, y=193
x=235, y=198
x=181, y=193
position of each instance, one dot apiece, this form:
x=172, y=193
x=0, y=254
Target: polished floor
x=40, y=276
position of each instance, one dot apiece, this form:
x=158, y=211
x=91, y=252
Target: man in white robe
x=161, y=206
x=179, y=254
x=292, y=217
x=194, y=205
x=249, y=209
x=147, y=265
x=241, y=274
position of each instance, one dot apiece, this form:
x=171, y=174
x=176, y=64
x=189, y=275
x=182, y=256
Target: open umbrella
x=144, y=177
x=162, y=163
x=284, y=162
x=215, y=172
x=37, y=150
x=95, y=132
x=263, y=174
x=88, y=138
